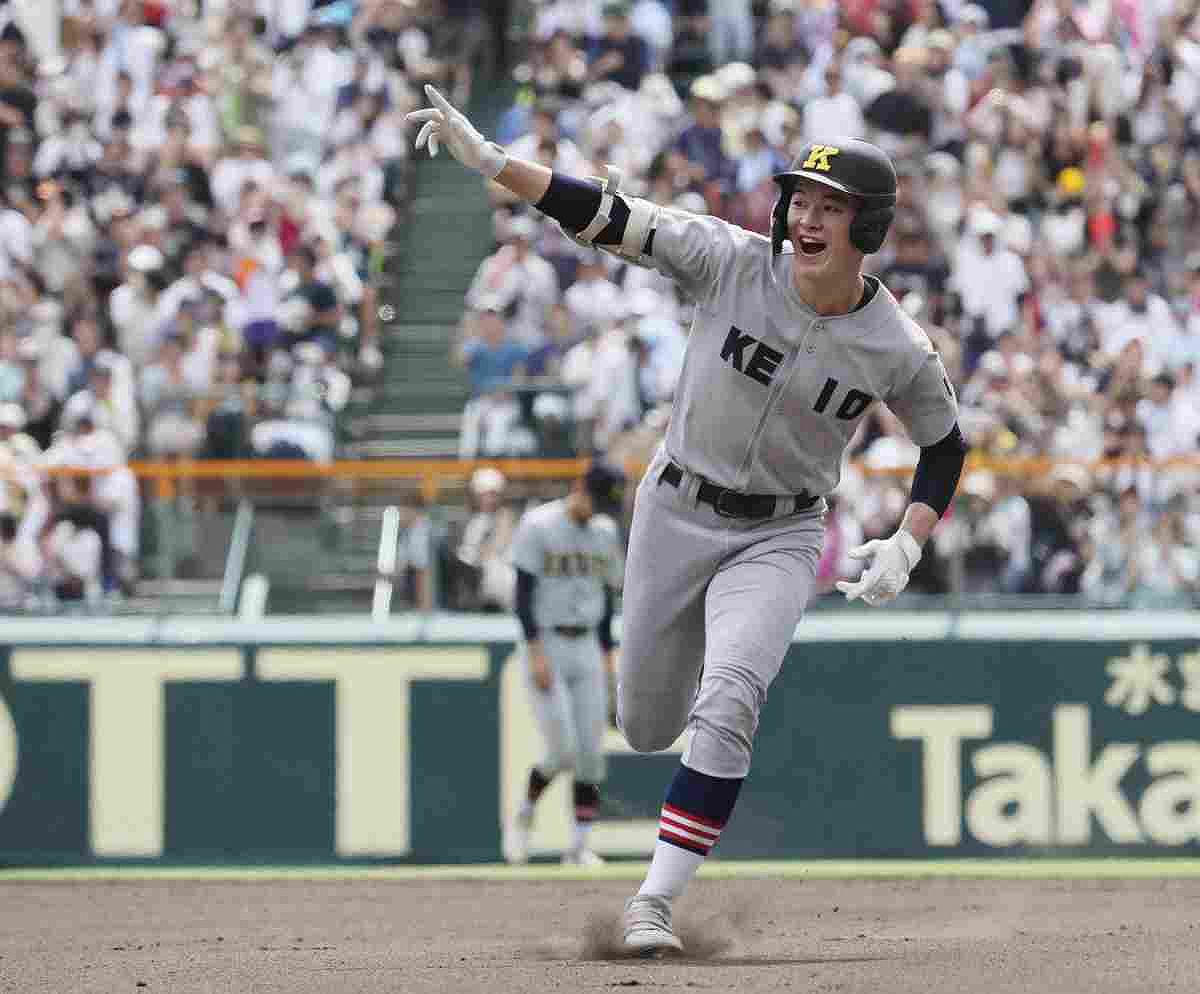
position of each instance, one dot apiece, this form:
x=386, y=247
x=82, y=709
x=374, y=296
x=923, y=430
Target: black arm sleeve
x=938, y=471
x=573, y=203
x=526, y=581
x=604, y=629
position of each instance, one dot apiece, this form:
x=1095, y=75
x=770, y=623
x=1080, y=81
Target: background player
x=789, y=347
x=567, y=554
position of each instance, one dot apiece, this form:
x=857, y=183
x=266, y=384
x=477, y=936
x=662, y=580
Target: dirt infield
x=352, y=936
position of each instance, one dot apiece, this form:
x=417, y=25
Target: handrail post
x=386, y=561
x=235, y=561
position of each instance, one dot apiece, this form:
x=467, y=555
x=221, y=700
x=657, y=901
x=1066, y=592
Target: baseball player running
x=567, y=554
x=790, y=346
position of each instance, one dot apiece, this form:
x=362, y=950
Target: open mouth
x=810, y=246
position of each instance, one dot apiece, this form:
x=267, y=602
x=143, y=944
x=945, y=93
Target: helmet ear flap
x=779, y=215
x=870, y=227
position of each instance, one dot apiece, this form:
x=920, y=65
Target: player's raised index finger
x=438, y=101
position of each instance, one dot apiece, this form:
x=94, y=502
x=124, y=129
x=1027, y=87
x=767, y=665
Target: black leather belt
x=732, y=504
x=572, y=631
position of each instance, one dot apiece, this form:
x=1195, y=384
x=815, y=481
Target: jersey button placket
x=810, y=346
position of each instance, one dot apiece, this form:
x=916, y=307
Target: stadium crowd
x=1046, y=237
x=194, y=201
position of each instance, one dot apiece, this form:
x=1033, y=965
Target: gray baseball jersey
x=771, y=392
x=770, y=395
x=572, y=563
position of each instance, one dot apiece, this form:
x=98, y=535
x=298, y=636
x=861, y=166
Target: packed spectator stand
x=1045, y=237
x=197, y=197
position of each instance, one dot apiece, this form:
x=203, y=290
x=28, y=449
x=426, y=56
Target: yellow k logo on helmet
x=818, y=158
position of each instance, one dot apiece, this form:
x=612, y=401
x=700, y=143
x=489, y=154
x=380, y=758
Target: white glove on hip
x=891, y=560
x=443, y=125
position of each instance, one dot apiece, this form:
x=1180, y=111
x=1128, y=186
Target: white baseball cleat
x=648, y=929
x=515, y=843
x=582, y=857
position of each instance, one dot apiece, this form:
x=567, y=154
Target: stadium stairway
x=447, y=232
x=416, y=408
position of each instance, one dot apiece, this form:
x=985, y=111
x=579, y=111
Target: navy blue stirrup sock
x=696, y=810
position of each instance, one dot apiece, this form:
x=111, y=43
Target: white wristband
x=492, y=160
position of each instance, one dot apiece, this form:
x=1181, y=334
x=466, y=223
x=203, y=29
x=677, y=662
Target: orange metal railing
x=432, y=475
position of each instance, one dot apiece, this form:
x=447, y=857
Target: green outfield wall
x=887, y=734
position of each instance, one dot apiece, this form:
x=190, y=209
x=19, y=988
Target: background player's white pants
x=707, y=591
x=572, y=715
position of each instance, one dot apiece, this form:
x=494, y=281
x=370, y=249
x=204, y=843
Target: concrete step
x=402, y=423
x=432, y=447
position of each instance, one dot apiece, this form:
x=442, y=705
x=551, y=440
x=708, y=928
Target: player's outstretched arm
x=444, y=125
x=590, y=213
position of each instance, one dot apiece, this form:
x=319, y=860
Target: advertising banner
x=895, y=736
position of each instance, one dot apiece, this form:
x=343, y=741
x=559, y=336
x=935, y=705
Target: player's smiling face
x=818, y=224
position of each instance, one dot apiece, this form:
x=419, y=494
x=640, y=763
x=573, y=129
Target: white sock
x=670, y=870
x=684, y=840
x=580, y=832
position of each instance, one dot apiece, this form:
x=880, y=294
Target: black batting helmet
x=605, y=484
x=855, y=167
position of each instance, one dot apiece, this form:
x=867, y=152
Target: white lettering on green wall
x=8, y=752
x=126, y=720
x=941, y=731
x=1023, y=796
x=374, y=775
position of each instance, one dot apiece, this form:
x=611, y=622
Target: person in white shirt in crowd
x=990, y=280
x=864, y=72
x=115, y=493
x=63, y=238
x=1166, y=566
x=134, y=48
x=245, y=162
x=1139, y=313
x=651, y=20
x=578, y=18
x=758, y=162
x=519, y=280
x=952, y=93
x=304, y=428
x=133, y=306
x=732, y=36
x=259, y=266
x=16, y=238
x=24, y=511
x=664, y=338
x=610, y=396
x=833, y=112
x=71, y=148
x=168, y=403
x=594, y=301
x=543, y=127
x=320, y=390
x=201, y=276
x=191, y=99
x=355, y=160
x=1115, y=538
x=109, y=404
x=70, y=564
x=484, y=545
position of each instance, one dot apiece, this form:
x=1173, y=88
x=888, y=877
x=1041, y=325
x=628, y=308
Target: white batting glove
x=891, y=560
x=443, y=125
